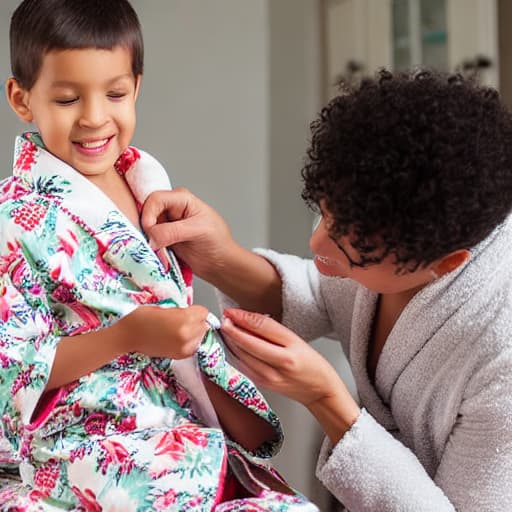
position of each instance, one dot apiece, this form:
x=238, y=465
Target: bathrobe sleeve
x=304, y=308
x=28, y=340
x=370, y=470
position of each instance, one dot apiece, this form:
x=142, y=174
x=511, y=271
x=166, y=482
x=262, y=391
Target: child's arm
x=148, y=330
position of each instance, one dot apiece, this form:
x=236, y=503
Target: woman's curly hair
x=416, y=165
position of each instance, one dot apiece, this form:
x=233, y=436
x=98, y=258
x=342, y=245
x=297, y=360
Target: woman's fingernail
x=226, y=322
x=254, y=319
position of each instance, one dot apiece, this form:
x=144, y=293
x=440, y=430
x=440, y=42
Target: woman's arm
x=201, y=238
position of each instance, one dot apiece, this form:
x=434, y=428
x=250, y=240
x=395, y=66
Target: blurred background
x=230, y=88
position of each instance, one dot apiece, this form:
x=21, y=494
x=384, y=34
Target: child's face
x=332, y=258
x=83, y=104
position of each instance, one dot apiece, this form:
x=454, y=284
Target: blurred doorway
x=361, y=36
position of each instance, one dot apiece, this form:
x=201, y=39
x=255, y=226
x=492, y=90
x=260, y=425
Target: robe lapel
x=121, y=245
x=364, y=311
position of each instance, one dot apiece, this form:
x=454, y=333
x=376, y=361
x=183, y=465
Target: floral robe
x=133, y=435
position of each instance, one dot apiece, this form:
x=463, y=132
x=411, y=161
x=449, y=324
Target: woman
x=412, y=273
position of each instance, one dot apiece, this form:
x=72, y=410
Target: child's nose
x=93, y=114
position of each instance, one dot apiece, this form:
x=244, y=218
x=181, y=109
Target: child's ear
x=452, y=261
x=138, y=80
x=18, y=100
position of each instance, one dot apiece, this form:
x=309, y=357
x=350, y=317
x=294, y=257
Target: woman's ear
x=452, y=261
x=18, y=100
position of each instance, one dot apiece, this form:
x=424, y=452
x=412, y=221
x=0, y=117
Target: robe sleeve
x=213, y=363
x=370, y=470
x=28, y=340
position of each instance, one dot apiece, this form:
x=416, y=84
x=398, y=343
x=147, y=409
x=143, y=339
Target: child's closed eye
x=66, y=101
x=116, y=95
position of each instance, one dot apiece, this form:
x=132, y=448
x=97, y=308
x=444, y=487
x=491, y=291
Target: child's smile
x=83, y=104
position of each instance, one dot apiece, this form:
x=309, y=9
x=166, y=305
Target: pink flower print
x=63, y=294
x=173, y=443
x=12, y=189
x=29, y=215
x=170, y=445
x=96, y=424
x=5, y=361
x=165, y=501
x=194, y=502
x=128, y=424
x=87, y=499
x=69, y=244
x=18, y=272
x=128, y=383
x=116, y=453
x=60, y=269
x=22, y=380
x=192, y=434
x=77, y=454
x=152, y=380
x=233, y=381
x=5, y=306
x=127, y=159
x=7, y=494
x=27, y=156
x=46, y=476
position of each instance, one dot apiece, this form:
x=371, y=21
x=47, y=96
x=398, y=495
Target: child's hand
x=164, y=332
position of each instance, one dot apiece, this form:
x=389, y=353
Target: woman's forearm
x=250, y=280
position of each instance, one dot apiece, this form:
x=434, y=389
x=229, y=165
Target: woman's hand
x=276, y=358
x=201, y=238
x=196, y=232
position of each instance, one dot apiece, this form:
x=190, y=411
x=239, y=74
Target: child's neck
x=115, y=187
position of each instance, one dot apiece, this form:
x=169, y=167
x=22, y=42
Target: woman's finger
x=261, y=325
x=257, y=347
x=256, y=369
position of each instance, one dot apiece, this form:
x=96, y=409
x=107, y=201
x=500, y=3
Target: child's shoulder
x=24, y=213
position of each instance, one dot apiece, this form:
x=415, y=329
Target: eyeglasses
x=366, y=261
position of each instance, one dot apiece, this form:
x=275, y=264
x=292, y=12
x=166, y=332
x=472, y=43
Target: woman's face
x=338, y=258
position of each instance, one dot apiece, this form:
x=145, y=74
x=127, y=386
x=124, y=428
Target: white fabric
x=435, y=433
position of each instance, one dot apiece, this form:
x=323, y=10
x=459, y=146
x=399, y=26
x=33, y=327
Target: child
x=412, y=274
x=103, y=404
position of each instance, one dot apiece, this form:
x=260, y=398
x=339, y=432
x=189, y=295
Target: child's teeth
x=95, y=144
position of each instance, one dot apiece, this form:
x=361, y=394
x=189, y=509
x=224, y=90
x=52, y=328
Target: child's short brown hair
x=40, y=26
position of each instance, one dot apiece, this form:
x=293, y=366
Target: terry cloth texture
x=435, y=431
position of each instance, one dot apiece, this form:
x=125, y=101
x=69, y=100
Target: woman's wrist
x=336, y=413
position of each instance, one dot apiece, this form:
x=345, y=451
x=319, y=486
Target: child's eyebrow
x=71, y=83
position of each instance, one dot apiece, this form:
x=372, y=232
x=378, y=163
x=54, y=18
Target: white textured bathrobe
x=435, y=433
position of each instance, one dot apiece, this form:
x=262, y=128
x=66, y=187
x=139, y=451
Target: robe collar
x=90, y=207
